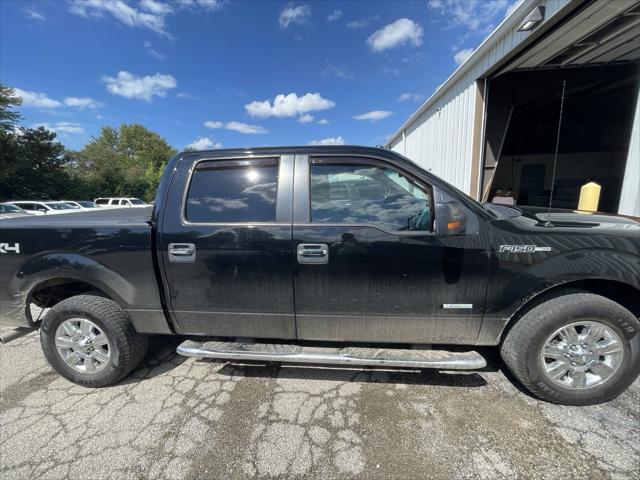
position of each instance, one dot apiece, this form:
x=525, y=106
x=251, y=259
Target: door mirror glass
x=451, y=218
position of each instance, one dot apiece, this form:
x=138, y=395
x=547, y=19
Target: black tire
x=523, y=343
x=127, y=347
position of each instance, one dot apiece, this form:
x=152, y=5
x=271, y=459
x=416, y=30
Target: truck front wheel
x=89, y=341
x=576, y=348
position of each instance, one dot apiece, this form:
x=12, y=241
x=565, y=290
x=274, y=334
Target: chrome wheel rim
x=82, y=345
x=581, y=355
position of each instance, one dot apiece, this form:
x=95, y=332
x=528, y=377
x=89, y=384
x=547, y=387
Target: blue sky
x=215, y=73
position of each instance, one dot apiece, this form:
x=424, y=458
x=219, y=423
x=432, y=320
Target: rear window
x=59, y=206
x=233, y=192
x=102, y=201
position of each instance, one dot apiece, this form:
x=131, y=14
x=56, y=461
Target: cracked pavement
x=178, y=418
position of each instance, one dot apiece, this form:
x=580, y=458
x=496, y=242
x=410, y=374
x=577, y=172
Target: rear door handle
x=313, y=253
x=182, y=252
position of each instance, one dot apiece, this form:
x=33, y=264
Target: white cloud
x=123, y=12
x=476, y=15
x=291, y=15
x=36, y=99
x=157, y=8
x=323, y=121
x=186, y=96
x=373, y=116
x=402, y=31
x=306, y=118
x=245, y=128
x=461, y=55
x=148, y=46
x=145, y=88
x=204, y=143
x=336, y=71
x=64, y=128
x=42, y=100
x=289, y=105
x=236, y=127
x=414, y=97
x=82, y=102
x=362, y=22
x=335, y=15
x=34, y=14
x=328, y=141
x=205, y=4
x=149, y=14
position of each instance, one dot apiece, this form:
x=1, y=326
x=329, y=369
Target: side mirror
x=450, y=218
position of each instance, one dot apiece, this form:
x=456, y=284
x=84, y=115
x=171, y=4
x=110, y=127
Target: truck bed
x=110, y=249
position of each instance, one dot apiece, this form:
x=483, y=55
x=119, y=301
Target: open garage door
x=597, y=54
x=594, y=139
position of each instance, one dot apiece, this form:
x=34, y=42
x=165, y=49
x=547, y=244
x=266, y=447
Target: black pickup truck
x=330, y=255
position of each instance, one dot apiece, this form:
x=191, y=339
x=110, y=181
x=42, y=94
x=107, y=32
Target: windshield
x=59, y=206
x=136, y=201
x=6, y=208
x=87, y=204
x=73, y=205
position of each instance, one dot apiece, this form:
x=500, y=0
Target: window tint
x=229, y=194
x=136, y=201
x=102, y=201
x=351, y=193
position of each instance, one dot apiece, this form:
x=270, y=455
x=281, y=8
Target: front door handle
x=182, y=252
x=313, y=253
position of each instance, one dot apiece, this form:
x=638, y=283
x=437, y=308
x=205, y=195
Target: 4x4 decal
x=6, y=248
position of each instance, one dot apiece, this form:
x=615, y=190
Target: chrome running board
x=358, y=356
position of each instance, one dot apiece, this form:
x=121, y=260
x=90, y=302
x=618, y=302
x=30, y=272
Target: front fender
x=515, y=283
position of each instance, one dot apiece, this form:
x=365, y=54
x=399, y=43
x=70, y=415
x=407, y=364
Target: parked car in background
x=82, y=204
x=119, y=202
x=8, y=210
x=42, y=208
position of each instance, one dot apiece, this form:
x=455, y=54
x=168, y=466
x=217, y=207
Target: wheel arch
x=622, y=293
x=49, y=292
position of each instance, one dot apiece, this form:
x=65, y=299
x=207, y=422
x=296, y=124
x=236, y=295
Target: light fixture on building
x=533, y=18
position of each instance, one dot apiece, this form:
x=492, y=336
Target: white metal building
x=490, y=129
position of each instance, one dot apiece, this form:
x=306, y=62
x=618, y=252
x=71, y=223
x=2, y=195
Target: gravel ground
x=178, y=418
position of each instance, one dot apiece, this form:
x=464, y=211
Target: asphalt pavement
x=178, y=418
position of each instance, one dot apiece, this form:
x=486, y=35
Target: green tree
x=8, y=101
x=31, y=160
x=127, y=161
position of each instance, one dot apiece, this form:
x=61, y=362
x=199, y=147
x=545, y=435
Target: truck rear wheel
x=576, y=348
x=89, y=341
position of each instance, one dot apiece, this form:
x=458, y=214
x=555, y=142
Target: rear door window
x=233, y=192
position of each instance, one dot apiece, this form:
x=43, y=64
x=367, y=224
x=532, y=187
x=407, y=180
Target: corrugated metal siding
x=440, y=139
x=630, y=196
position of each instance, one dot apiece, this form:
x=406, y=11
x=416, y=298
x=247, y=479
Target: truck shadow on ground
x=162, y=358
x=268, y=370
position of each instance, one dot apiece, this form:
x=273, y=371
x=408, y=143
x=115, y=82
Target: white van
x=119, y=202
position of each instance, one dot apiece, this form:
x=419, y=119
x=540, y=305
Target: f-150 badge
x=523, y=248
x=6, y=248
